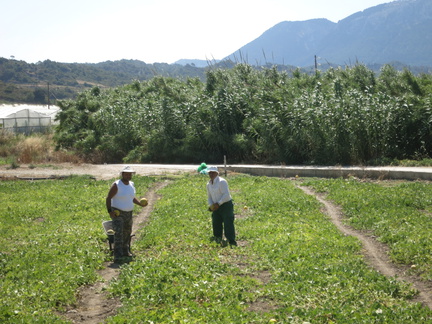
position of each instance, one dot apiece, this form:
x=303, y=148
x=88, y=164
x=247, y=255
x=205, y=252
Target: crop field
x=51, y=244
x=292, y=264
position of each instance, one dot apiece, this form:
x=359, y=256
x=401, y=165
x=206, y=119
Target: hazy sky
x=94, y=31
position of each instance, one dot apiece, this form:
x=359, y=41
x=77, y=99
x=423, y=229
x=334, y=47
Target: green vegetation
x=399, y=215
x=269, y=115
x=28, y=82
x=292, y=265
x=341, y=116
x=51, y=243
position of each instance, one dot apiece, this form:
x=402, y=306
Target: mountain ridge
x=377, y=35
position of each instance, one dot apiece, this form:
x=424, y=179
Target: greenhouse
x=27, y=118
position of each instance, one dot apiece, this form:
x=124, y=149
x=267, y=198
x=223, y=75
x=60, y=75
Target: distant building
x=27, y=119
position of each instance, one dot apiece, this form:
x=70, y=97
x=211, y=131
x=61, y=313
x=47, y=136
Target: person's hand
x=143, y=202
x=114, y=213
x=214, y=207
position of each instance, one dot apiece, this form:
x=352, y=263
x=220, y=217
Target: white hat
x=212, y=169
x=127, y=169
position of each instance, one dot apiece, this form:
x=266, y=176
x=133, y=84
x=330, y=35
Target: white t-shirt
x=123, y=200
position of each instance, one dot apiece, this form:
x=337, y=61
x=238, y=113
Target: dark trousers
x=223, y=222
x=122, y=226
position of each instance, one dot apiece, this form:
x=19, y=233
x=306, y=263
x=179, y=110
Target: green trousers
x=223, y=222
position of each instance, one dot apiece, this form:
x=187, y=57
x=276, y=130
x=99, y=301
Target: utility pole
x=48, y=96
x=316, y=64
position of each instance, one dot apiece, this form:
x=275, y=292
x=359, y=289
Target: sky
x=93, y=31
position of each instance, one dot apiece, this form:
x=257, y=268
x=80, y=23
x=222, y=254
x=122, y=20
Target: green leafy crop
x=51, y=243
x=292, y=265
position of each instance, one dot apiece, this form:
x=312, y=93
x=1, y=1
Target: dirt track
x=376, y=253
x=94, y=306
x=99, y=171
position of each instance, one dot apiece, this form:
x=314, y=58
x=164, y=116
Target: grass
x=398, y=213
x=425, y=162
x=16, y=149
x=292, y=265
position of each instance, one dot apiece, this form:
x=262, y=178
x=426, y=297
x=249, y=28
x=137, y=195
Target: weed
x=14, y=165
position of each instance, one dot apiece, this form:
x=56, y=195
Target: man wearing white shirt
x=221, y=205
x=121, y=199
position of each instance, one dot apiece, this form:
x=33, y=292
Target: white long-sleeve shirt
x=218, y=191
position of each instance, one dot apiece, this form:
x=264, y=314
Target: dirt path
x=376, y=253
x=94, y=305
x=98, y=171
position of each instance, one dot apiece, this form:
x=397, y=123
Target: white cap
x=127, y=169
x=212, y=169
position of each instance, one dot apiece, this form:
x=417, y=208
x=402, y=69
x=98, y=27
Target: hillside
x=399, y=31
x=30, y=82
x=289, y=42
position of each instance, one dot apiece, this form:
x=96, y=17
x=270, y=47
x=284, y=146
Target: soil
x=95, y=305
x=98, y=171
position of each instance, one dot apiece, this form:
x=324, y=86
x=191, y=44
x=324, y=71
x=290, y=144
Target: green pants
x=223, y=222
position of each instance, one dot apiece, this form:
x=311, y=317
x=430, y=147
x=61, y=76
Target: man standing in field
x=120, y=204
x=222, y=208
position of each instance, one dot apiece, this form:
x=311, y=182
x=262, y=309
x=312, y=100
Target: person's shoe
x=233, y=244
x=216, y=239
x=122, y=260
x=118, y=260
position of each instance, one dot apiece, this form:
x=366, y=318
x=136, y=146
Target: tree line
x=340, y=116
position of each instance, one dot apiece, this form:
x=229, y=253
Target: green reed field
x=292, y=264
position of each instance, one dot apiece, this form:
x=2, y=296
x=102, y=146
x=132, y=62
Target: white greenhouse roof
x=13, y=111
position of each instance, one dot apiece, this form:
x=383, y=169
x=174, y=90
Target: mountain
x=397, y=31
x=289, y=42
